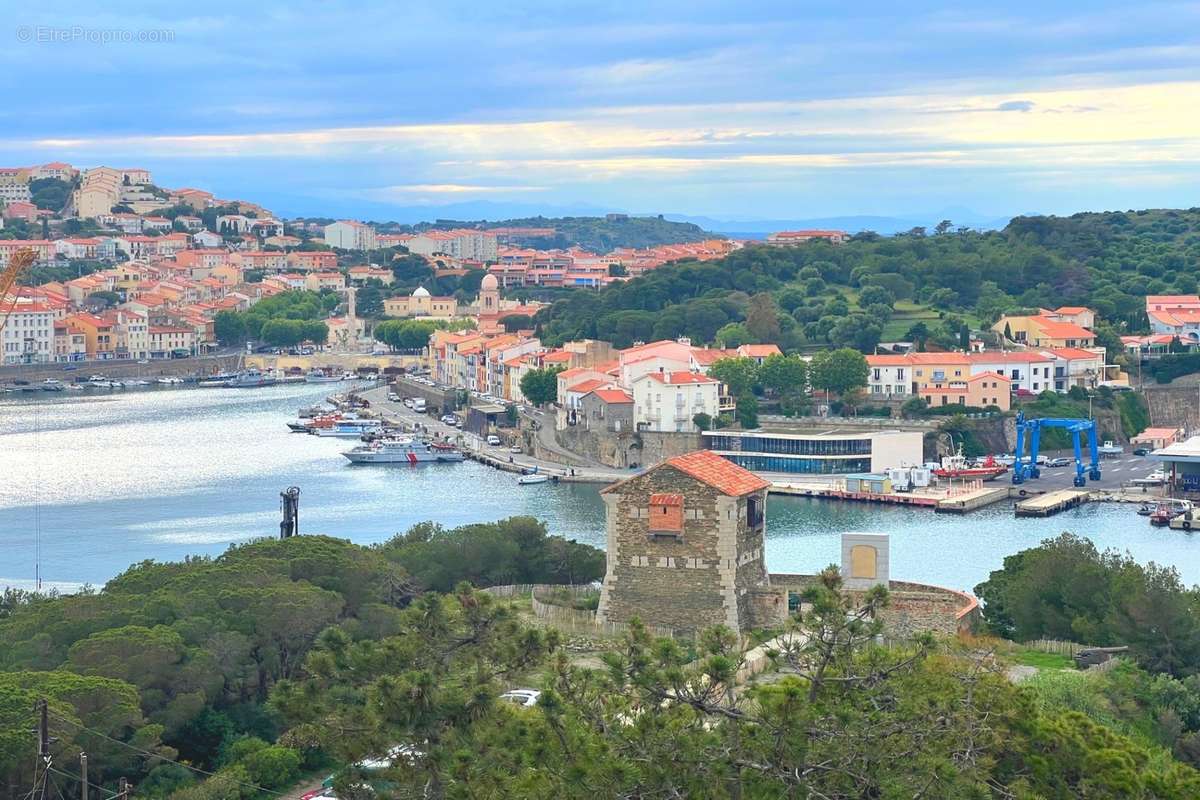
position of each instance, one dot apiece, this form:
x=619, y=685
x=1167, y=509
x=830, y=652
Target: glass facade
x=789, y=446
x=811, y=466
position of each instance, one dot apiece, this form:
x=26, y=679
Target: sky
x=746, y=110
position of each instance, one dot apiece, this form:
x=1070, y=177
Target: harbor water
x=91, y=484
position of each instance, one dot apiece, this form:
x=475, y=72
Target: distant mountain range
x=759, y=228
x=734, y=226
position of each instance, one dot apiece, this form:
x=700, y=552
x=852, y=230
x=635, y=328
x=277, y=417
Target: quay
x=1045, y=505
x=942, y=500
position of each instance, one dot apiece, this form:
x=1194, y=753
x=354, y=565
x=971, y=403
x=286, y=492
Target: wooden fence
x=1058, y=646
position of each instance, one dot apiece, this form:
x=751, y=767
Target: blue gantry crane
x=1033, y=427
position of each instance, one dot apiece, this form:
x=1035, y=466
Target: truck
x=419, y=405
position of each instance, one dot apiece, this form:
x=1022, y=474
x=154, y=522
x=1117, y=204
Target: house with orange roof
x=666, y=355
x=608, y=409
x=889, y=375
x=1027, y=370
x=319, y=281
x=985, y=390
x=784, y=238
x=70, y=341
x=759, y=352
x=310, y=260
x=100, y=336
x=1043, y=330
x=669, y=401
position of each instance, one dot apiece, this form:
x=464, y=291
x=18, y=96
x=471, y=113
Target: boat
x=313, y=411
x=532, y=478
x=402, y=451
x=249, y=379
x=212, y=380
x=955, y=466
x=1145, y=510
x=52, y=385
x=1156, y=478
x=347, y=428
x=139, y=382
x=170, y=381
x=1110, y=449
x=1166, y=510
x=319, y=376
x=73, y=387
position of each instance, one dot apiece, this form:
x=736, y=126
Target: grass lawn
x=1036, y=658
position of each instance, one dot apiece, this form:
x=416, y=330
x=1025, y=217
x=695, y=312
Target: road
x=468, y=441
x=1114, y=473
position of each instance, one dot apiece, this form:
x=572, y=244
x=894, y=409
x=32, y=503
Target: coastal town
x=664, y=401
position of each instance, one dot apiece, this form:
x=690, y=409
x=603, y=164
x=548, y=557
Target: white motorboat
x=348, y=428
x=403, y=451
x=1110, y=449
x=532, y=478
x=317, y=376
x=250, y=379
x=52, y=385
x=170, y=381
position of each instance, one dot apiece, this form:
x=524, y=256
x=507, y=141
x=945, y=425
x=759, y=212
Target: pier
x=1050, y=503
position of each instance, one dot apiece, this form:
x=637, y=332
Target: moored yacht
x=403, y=451
x=348, y=428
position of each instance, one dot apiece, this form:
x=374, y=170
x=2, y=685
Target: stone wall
x=913, y=607
x=623, y=450
x=124, y=368
x=1173, y=406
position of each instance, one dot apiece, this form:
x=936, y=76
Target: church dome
x=489, y=282
x=421, y=291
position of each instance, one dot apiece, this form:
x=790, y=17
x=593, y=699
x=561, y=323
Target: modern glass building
x=824, y=453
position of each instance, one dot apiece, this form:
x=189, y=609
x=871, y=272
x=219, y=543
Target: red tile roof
x=719, y=473
x=888, y=361
x=680, y=378
x=612, y=395
x=760, y=350
x=583, y=387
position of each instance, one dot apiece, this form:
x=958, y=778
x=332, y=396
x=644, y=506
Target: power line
x=159, y=756
x=110, y=795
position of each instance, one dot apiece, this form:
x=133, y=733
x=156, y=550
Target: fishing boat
x=1166, y=510
x=955, y=466
x=532, y=478
x=249, y=379
x=320, y=376
x=403, y=451
x=52, y=385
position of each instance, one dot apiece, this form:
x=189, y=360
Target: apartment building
x=28, y=336
x=350, y=235
x=462, y=243
x=668, y=401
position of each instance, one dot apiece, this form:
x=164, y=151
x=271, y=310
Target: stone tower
x=685, y=545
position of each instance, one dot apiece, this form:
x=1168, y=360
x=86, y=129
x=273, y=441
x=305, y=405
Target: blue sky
x=730, y=110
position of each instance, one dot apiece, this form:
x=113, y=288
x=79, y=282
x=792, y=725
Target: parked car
x=1058, y=462
x=516, y=448
x=408, y=402
x=522, y=697
x=1141, y=451
x=393, y=397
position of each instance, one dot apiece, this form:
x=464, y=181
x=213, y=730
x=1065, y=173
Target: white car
x=493, y=440
x=526, y=698
x=516, y=448
x=408, y=402
x=393, y=397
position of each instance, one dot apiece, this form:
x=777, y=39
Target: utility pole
x=83, y=778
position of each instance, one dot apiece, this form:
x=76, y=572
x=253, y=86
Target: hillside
x=854, y=294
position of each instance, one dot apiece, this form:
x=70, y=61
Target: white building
x=826, y=453
x=1030, y=370
x=207, y=239
x=28, y=336
x=15, y=192
x=668, y=401
x=350, y=235
x=463, y=243
x=889, y=375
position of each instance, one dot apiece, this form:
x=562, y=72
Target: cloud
x=1023, y=106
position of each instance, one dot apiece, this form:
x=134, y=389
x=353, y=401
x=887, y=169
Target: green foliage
x=747, y=411
x=783, y=374
x=513, y=550
x=603, y=234
x=1170, y=367
x=838, y=371
x=738, y=374
x=1066, y=589
x=702, y=421
x=405, y=334
x=51, y=194
x=517, y=322
x=540, y=386
x=283, y=320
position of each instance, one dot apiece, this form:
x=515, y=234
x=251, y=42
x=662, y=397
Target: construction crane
x=20, y=261
x=1033, y=427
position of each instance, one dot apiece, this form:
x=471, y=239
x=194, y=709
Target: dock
x=1050, y=503
x=961, y=504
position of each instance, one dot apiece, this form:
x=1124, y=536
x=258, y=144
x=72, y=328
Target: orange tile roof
x=937, y=358
x=888, y=361
x=1073, y=352
x=706, y=357
x=760, y=350
x=587, y=386
x=612, y=395
x=719, y=473
x=1070, y=309
x=681, y=378
x=1062, y=330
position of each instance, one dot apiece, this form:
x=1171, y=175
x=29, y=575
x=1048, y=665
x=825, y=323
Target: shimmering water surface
x=162, y=474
